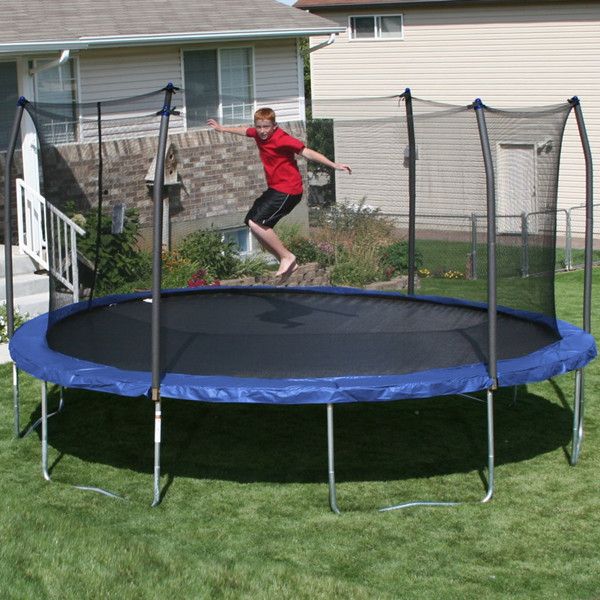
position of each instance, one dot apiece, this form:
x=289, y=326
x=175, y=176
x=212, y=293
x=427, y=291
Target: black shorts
x=271, y=206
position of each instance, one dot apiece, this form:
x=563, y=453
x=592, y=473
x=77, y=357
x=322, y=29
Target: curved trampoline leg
x=577, y=437
x=16, y=401
x=59, y=409
x=490, y=445
x=157, y=440
x=330, y=461
x=44, y=420
x=490, y=457
x=44, y=423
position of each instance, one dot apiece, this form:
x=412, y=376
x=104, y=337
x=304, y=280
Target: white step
x=26, y=284
x=21, y=262
x=33, y=305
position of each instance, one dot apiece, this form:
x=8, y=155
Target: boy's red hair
x=265, y=114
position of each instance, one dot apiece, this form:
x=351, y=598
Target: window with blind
x=219, y=84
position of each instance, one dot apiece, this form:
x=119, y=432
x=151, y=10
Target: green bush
x=394, y=258
x=119, y=258
x=355, y=271
x=304, y=249
x=208, y=250
x=253, y=266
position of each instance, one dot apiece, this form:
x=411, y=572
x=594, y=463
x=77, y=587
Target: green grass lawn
x=245, y=511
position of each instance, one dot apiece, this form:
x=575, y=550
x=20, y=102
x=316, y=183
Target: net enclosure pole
x=587, y=276
x=159, y=176
x=491, y=287
x=412, y=188
x=8, y=265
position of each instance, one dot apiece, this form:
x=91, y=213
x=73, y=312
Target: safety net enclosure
x=468, y=195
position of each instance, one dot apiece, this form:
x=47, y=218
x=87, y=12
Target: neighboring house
x=229, y=57
x=509, y=53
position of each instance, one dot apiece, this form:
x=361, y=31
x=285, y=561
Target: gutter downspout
x=328, y=42
x=64, y=57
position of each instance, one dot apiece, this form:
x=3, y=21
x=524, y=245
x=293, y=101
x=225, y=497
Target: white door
x=516, y=186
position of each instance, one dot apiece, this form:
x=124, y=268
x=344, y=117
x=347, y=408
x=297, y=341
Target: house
x=228, y=57
x=508, y=53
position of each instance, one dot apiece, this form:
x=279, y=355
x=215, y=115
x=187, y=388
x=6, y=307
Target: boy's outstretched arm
x=218, y=127
x=320, y=158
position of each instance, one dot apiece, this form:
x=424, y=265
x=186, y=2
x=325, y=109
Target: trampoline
x=294, y=346
x=320, y=345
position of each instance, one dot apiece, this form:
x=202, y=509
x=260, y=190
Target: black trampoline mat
x=291, y=334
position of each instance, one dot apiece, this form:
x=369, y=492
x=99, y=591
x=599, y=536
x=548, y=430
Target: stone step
x=32, y=305
x=25, y=285
x=21, y=262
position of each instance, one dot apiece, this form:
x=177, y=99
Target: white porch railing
x=33, y=236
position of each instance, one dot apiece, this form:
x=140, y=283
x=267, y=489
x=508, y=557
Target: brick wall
x=218, y=177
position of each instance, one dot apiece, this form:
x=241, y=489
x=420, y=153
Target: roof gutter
x=115, y=41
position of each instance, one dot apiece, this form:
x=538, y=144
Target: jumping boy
x=277, y=151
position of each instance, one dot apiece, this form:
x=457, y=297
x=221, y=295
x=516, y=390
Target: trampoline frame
x=577, y=430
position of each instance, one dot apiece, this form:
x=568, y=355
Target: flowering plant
x=19, y=319
x=453, y=275
x=201, y=278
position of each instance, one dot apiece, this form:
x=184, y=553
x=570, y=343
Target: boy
x=277, y=151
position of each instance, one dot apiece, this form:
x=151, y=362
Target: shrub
x=305, y=249
x=119, y=258
x=208, y=250
x=354, y=236
x=354, y=271
x=252, y=266
x=394, y=258
x=176, y=270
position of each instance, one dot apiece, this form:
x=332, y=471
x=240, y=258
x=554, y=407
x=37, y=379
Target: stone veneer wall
x=218, y=177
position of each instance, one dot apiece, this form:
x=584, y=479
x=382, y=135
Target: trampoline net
x=371, y=135
x=97, y=164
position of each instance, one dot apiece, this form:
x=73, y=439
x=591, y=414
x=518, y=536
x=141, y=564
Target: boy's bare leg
x=268, y=238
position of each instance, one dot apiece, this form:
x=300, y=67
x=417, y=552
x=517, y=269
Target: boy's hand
x=342, y=167
x=214, y=124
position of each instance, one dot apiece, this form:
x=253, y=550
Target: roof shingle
x=36, y=21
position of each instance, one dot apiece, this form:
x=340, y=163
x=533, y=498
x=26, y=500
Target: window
x=57, y=85
x=218, y=84
x=376, y=27
x=241, y=237
x=8, y=100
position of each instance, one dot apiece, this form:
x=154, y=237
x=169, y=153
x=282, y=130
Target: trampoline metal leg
x=157, y=440
x=490, y=457
x=330, y=461
x=490, y=445
x=16, y=401
x=59, y=409
x=578, y=405
x=44, y=420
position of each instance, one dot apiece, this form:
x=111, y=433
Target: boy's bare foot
x=287, y=266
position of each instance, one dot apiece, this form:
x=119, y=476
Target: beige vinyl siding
x=115, y=74
x=276, y=78
x=518, y=55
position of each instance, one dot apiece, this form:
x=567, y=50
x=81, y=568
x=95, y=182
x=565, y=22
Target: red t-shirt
x=278, y=158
